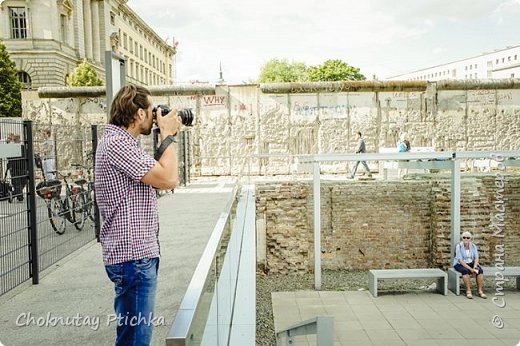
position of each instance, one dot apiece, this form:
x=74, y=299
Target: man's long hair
x=127, y=102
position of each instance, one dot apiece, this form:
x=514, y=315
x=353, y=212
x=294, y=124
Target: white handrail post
x=455, y=204
x=317, y=225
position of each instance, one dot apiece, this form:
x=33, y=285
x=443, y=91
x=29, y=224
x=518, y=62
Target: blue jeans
x=135, y=285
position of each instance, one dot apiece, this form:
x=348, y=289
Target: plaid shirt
x=128, y=207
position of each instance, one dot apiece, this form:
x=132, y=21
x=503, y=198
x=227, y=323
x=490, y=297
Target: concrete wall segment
x=237, y=121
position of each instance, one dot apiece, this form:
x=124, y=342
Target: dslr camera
x=186, y=114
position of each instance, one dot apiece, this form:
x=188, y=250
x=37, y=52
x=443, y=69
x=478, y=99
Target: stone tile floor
x=415, y=318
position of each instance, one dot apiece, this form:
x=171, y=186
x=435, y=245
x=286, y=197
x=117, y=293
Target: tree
x=334, y=70
x=276, y=70
x=10, y=87
x=84, y=75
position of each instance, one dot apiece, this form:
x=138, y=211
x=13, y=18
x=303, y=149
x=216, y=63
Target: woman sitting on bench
x=466, y=262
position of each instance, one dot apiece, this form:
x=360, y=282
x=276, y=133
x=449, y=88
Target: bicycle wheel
x=79, y=209
x=56, y=216
x=68, y=213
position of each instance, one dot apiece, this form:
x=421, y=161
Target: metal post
x=325, y=330
x=97, y=216
x=455, y=204
x=115, y=76
x=31, y=203
x=317, y=225
x=187, y=158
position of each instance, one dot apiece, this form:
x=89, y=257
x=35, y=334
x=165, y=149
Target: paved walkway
x=78, y=289
x=423, y=318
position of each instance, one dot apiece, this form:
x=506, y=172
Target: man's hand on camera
x=170, y=124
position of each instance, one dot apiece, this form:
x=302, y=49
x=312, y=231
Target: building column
x=87, y=13
x=95, y=32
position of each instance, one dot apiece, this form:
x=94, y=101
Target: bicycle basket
x=49, y=189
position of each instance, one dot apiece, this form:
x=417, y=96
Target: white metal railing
x=188, y=326
x=219, y=307
x=296, y=164
x=425, y=160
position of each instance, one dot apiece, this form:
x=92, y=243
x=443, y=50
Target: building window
x=503, y=59
x=125, y=41
x=131, y=45
x=64, y=28
x=508, y=58
x=512, y=75
x=496, y=62
x=465, y=68
x=471, y=67
x=25, y=79
x=18, y=22
x=112, y=18
x=475, y=66
x=516, y=56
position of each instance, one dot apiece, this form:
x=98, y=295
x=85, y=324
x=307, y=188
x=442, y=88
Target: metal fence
x=28, y=241
x=15, y=239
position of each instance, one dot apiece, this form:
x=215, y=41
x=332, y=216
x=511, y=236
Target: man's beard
x=146, y=128
x=146, y=131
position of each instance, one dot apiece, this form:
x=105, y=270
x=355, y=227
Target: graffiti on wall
x=213, y=100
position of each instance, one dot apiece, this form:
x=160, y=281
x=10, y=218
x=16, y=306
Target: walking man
x=360, y=148
x=125, y=180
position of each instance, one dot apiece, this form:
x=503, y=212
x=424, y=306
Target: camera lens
x=186, y=114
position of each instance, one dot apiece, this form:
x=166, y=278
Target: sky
x=381, y=37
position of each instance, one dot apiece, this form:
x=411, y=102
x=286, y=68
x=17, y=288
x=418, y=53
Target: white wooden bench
x=454, y=276
x=393, y=274
x=384, y=166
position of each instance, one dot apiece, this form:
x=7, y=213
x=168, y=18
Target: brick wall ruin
x=383, y=224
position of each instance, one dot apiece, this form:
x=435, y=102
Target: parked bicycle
x=86, y=186
x=72, y=207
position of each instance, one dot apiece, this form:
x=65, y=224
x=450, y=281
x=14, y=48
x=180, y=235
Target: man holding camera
x=125, y=180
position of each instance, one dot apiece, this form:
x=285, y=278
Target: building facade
x=499, y=64
x=47, y=39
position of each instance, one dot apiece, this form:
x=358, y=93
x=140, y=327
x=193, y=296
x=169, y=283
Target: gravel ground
x=330, y=281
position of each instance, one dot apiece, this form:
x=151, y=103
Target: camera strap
x=165, y=144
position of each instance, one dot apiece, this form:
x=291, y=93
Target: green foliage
x=276, y=70
x=334, y=70
x=10, y=87
x=280, y=70
x=84, y=75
